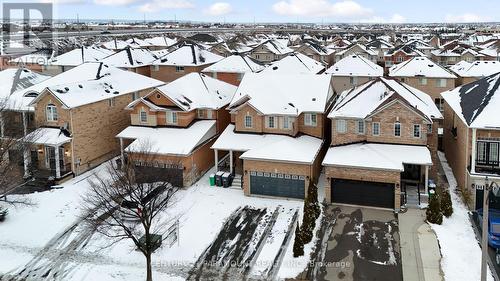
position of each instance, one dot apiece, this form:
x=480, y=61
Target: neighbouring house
x=294, y=63
x=357, y=49
x=352, y=71
x=278, y=131
x=180, y=121
x=381, y=47
x=79, y=118
x=400, y=54
x=468, y=72
x=35, y=61
x=472, y=135
x=425, y=75
x=160, y=42
x=233, y=68
x=134, y=60
x=316, y=51
x=455, y=51
x=68, y=60
x=136, y=43
x=269, y=51
x=186, y=59
x=384, y=143
x=114, y=45
x=237, y=45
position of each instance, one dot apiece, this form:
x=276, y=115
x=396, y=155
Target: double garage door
x=362, y=193
x=279, y=185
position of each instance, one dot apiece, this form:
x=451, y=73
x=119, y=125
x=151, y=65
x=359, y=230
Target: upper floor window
x=441, y=83
x=376, y=128
x=51, y=112
x=399, y=59
x=429, y=128
x=353, y=81
x=397, y=129
x=214, y=75
x=422, y=81
x=310, y=119
x=439, y=104
x=271, y=122
x=416, y=130
x=179, y=69
x=341, y=126
x=156, y=68
x=248, y=121
x=171, y=117
x=111, y=102
x=200, y=113
x=239, y=76
x=135, y=95
x=361, y=127
x=143, y=115
x=487, y=153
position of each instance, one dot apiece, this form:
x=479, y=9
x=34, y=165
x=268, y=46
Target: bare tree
x=130, y=201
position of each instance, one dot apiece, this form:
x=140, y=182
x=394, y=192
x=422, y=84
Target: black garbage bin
x=226, y=180
x=218, y=178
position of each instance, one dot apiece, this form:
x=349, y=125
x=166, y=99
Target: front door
x=50, y=158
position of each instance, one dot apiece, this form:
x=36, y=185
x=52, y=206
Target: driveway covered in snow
x=358, y=244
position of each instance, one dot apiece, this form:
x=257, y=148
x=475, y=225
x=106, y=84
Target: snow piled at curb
x=461, y=254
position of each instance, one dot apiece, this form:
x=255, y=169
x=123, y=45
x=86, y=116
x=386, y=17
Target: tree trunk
x=149, y=271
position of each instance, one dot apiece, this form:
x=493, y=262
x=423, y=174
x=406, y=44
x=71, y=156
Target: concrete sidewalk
x=420, y=254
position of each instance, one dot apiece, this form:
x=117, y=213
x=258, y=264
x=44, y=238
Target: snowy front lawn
x=201, y=209
x=461, y=254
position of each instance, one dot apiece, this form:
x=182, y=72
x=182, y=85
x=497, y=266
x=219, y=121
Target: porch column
x=231, y=161
x=216, y=152
x=426, y=179
x=25, y=123
x=26, y=148
x=122, y=156
x=473, y=153
x=58, y=165
x=2, y=125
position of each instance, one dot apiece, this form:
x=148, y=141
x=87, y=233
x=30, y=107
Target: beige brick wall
x=168, y=73
x=342, y=83
x=431, y=87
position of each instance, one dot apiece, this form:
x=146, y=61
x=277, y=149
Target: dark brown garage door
x=363, y=193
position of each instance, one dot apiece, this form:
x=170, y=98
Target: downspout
x=73, y=165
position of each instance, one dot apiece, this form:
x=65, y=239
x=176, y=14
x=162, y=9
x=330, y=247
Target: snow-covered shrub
x=446, y=206
x=298, y=244
x=3, y=213
x=433, y=213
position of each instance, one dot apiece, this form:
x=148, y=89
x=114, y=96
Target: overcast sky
x=394, y=11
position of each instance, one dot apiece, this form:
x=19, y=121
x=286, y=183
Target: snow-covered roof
x=41, y=57
x=360, y=46
x=476, y=69
x=196, y=91
x=161, y=41
x=276, y=47
x=269, y=147
x=48, y=136
x=419, y=66
x=171, y=141
x=235, y=64
x=130, y=58
x=81, y=55
x=362, y=101
x=17, y=79
x=477, y=103
x=295, y=63
x=355, y=65
x=290, y=94
x=115, y=44
x=377, y=156
x=137, y=43
x=103, y=82
x=188, y=55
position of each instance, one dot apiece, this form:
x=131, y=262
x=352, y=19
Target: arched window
x=51, y=112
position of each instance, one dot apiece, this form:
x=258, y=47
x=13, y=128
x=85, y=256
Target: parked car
x=493, y=230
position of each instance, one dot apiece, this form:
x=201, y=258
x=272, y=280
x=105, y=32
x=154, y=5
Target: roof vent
x=275, y=67
x=80, y=86
x=313, y=99
x=66, y=89
x=107, y=91
x=116, y=92
x=431, y=65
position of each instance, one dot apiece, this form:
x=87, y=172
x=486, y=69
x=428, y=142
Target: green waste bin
x=212, y=180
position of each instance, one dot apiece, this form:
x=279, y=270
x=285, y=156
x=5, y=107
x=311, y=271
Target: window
x=200, y=113
x=416, y=131
x=287, y=124
x=441, y=83
x=439, y=104
x=397, y=129
x=239, y=76
x=111, y=102
x=248, y=121
x=376, y=128
x=171, y=117
x=143, y=116
x=214, y=75
x=135, y=95
x=51, y=112
x=487, y=153
x=353, y=81
x=179, y=69
x=429, y=128
x=399, y=59
x=341, y=126
x=361, y=127
x=422, y=81
x=156, y=68
x=270, y=122
x=310, y=119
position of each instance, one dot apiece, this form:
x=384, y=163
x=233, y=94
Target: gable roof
x=81, y=55
x=188, y=55
x=275, y=47
x=12, y=82
x=354, y=45
x=477, y=103
x=419, y=66
x=196, y=91
x=105, y=82
x=364, y=100
x=130, y=58
x=355, y=65
x=287, y=94
x=476, y=68
x=161, y=41
x=295, y=63
x=235, y=64
x=115, y=44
